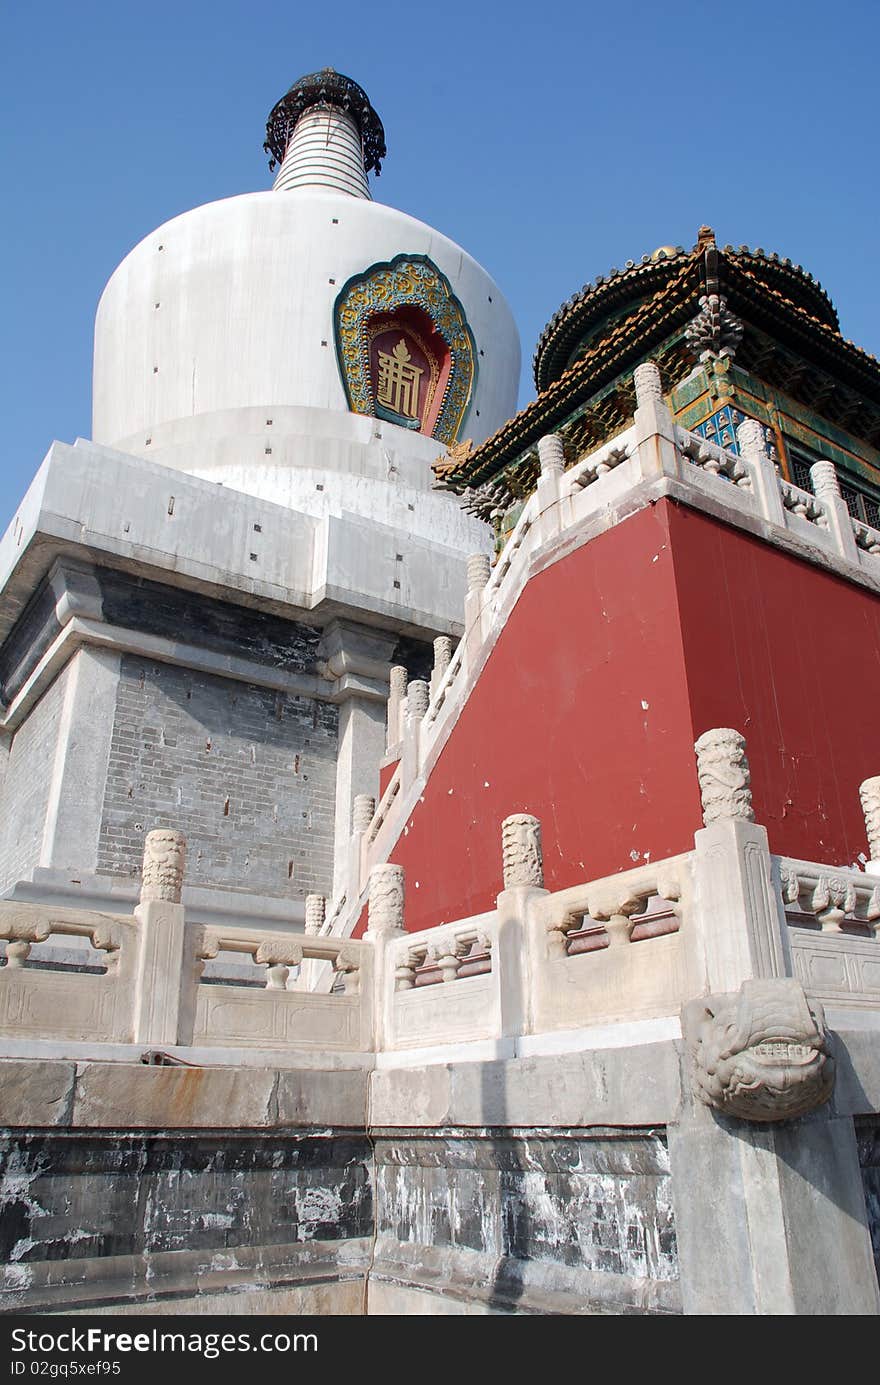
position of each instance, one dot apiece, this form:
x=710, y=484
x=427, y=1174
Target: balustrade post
x=396, y=697
x=519, y=949
x=385, y=924
x=753, y=450
x=442, y=660
x=312, y=970
x=416, y=707
x=754, y=1238
x=551, y=455
x=479, y=569
x=316, y=909
x=741, y=931
x=160, y=974
x=826, y=487
x=869, y=793
x=362, y=815
x=655, y=426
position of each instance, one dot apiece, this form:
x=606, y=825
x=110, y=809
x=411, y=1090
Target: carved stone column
x=415, y=708
x=385, y=923
x=164, y=862
x=416, y=700
x=361, y=817
x=551, y=455
x=311, y=969
x=648, y=385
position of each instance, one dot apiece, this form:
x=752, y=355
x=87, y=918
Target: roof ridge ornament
x=715, y=331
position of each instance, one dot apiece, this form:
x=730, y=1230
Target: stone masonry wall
x=528, y=1221
x=27, y=782
x=191, y=617
x=533, y=1222
x=131, y=1216
x=868, y=1134
x=248, y=774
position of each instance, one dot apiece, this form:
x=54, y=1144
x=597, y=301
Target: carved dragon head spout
x=761, y=1054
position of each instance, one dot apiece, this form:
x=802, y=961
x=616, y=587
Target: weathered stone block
x=136, y=1096
x=566, y=1089
x=319, y=1098
x=35, y=1094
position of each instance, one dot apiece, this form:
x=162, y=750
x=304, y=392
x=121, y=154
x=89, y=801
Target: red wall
x=386, y=774
x=790, y=656
x=706, y=626
x=556, y=727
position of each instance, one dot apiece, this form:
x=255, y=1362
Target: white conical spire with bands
x=325, y=151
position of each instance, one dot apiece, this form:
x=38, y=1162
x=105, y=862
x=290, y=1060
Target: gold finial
x=705, y=238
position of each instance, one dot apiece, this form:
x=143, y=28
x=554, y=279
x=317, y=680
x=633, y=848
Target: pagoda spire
x=324, y=134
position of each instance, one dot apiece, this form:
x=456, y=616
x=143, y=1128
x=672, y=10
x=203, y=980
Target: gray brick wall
x=249, y=775
x=26, y=784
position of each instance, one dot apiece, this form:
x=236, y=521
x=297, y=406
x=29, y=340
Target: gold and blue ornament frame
x=405, y=281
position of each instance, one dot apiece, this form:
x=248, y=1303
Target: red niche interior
x=409, y=367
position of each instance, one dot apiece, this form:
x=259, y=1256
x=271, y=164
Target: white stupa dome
x=220, y=341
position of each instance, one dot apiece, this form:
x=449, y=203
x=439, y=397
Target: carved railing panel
x=833, y=914
x=618, y=910
x=613, y=949
x=866, y=538
x=442, y=985
x=47, y=999
x=598, y=464
x=384, y=807
x=233, y=1015
x=834, y=899
x=435, y=956
x=714, y=460
x=803, y=504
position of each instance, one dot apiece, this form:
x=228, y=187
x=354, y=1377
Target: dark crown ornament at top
x=326, y=88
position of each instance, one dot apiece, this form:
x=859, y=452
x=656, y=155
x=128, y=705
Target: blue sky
x=552, y=141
